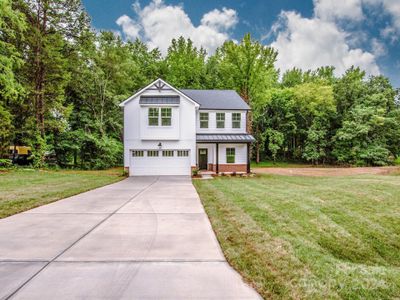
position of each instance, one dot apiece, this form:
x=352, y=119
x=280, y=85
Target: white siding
x=240, y=153
x=212, y=124
x=181, y=135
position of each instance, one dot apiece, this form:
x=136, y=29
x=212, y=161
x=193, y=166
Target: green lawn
x=278, y=164
x=21, y=190
x=307, y=237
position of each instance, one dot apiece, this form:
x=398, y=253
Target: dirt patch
x=326, y=171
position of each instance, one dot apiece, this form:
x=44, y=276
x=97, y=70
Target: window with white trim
x=183, y=153
x=236, y=119
x=230, y=155
x=203, y=120
x=153, y=116
x=137, y=153
x=220, y=117
x=168, y=153
x=166, y=116
x=152, y=153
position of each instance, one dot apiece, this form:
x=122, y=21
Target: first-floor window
x=182, y=153
x=153, y=116
x=152, y=153
x=230, y=155
x=168, y=153
x=138, y=153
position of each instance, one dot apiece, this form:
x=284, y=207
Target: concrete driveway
x=141, y=238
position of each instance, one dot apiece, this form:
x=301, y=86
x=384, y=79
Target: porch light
x=159, y=145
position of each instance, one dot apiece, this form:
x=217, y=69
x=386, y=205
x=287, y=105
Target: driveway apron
x=141, y=238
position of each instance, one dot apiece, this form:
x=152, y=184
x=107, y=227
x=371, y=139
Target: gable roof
x=158, y=84
x=217, y=99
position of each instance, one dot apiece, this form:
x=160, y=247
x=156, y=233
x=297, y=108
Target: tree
x=54, y=27
x=185, y=64
x=12, y=26
x=248, y=67
x=370, y=125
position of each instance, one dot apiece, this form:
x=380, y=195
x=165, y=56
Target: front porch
x=223, y=153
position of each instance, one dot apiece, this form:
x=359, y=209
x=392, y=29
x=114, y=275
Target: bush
x=5, y=163
x=195, y=172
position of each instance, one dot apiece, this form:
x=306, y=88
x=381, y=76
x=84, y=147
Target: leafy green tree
x=54, y=27
x=248, y=67
x=185, y=64
x=370, y=126
x=12, y=27
x=292, y=77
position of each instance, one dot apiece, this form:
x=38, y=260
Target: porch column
x=216, y=159
x=248, y=157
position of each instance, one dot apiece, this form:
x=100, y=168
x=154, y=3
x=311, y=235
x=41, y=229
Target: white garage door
x=159, y=162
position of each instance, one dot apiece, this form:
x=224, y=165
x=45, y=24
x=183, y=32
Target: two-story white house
x=168, y=131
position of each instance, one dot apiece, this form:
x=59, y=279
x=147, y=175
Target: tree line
x=61, y=83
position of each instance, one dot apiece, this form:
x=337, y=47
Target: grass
x=278, y=164
x=21, y=190
x=310, y=238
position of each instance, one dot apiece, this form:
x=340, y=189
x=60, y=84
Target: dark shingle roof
x=217, y=99
x=159, y=100
x=234, y=138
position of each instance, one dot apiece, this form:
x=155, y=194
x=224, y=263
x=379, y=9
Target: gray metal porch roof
x=224, y=138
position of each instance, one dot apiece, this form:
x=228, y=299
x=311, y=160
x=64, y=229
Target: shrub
x=5, y=163
x=195, y=172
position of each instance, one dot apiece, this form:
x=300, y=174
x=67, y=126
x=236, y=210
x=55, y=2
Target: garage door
x=159, y=162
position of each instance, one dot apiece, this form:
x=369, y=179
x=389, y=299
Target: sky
x=306, y=33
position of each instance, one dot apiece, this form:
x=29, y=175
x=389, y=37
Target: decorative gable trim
x=159, y=85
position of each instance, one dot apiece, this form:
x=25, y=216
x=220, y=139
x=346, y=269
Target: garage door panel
x=141, y=166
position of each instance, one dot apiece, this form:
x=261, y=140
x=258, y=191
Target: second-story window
x=155, y=119
x=166, y=116
x=236, y=118
x=153, y=116
x=220, y=120
x=203, y=120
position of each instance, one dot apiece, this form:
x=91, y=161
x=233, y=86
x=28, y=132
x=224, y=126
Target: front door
x=203, y=157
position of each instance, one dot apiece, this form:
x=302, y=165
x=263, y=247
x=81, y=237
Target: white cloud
x=130, y=28
x=309, y=43
x=338, y=9
x=157, y=24
x=220, y=20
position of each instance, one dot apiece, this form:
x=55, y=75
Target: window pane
x=138, y=153
x=166, y=113
x=152, y=153
x=182, y=153
x=153, y=116
x=203, y=120
x=220, y=120
x=168, y=153
x=230, y=155
x=236, y=118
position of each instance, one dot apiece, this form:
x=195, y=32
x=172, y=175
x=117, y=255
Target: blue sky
x=307, y=33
